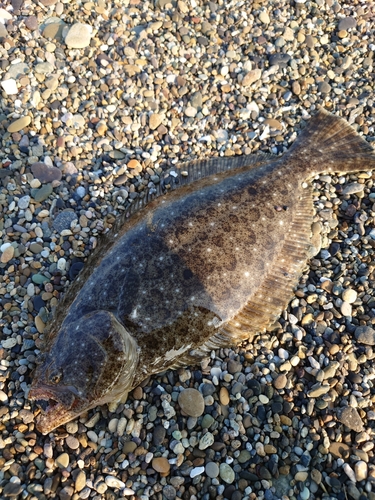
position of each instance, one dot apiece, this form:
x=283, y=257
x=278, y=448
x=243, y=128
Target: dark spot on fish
x=233, y=219
x=268, y=212
x=230, y=263
x=252, y=191
x=253, y=214
x=218, y=240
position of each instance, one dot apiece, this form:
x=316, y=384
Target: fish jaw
x=62, y=406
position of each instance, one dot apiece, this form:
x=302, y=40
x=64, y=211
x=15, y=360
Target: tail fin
x=330, y=144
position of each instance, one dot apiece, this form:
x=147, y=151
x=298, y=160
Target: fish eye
x=55, y=377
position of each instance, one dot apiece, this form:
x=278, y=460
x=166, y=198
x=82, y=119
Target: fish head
x=92, y=361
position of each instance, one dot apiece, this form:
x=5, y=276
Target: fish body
x=210, y=264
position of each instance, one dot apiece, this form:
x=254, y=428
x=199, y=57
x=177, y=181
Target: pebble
x=10, y=86
x=19, y=124
x=212, y=469
x=224, y=396
x=191, y=402
x=78, y=36
x=80, y=481
x=72, y=442
x=251, y=77
x=360, y=470
x=114, y=482
x=197, y=471
x=353, y=188
x=161, y=465
x=206, y=440
x=7, y=254
x=346, y=309
x=226, y=473
x=349, y=416
x=62, y=461
x=349, y=295
x=365, y=335
x=280, y=381
x=46, y=173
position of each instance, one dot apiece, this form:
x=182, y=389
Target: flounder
x=210, y=264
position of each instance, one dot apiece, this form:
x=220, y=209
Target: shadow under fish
x=210, y=264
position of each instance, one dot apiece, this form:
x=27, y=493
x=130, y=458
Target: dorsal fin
x=190, y=172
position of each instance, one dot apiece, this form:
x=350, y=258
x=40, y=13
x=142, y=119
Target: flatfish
x=209, y=264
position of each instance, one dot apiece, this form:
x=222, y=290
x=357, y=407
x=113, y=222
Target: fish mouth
x=58, y=406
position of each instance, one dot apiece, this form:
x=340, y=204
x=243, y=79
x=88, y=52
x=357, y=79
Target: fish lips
x=58, y=405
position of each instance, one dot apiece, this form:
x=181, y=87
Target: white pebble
x=349, y=472
x=114, y=482
x=196, y=471
x=9, y=86
x=61, y=264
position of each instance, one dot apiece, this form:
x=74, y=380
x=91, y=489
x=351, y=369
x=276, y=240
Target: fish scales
x=210, y=264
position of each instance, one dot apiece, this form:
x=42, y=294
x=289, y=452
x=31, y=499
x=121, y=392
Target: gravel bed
x=99, y=101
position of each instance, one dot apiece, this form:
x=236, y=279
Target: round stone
x=224, y=396
x=72, y=442
x=280, y=381
x=207, y=421
x=226, y=473
x=23, y=202
x=161, y=465
x=79, y=36
x=191, y=402
x=349, y=295
x=212, y=469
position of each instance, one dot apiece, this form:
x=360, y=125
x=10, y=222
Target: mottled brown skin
x=210, y=264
